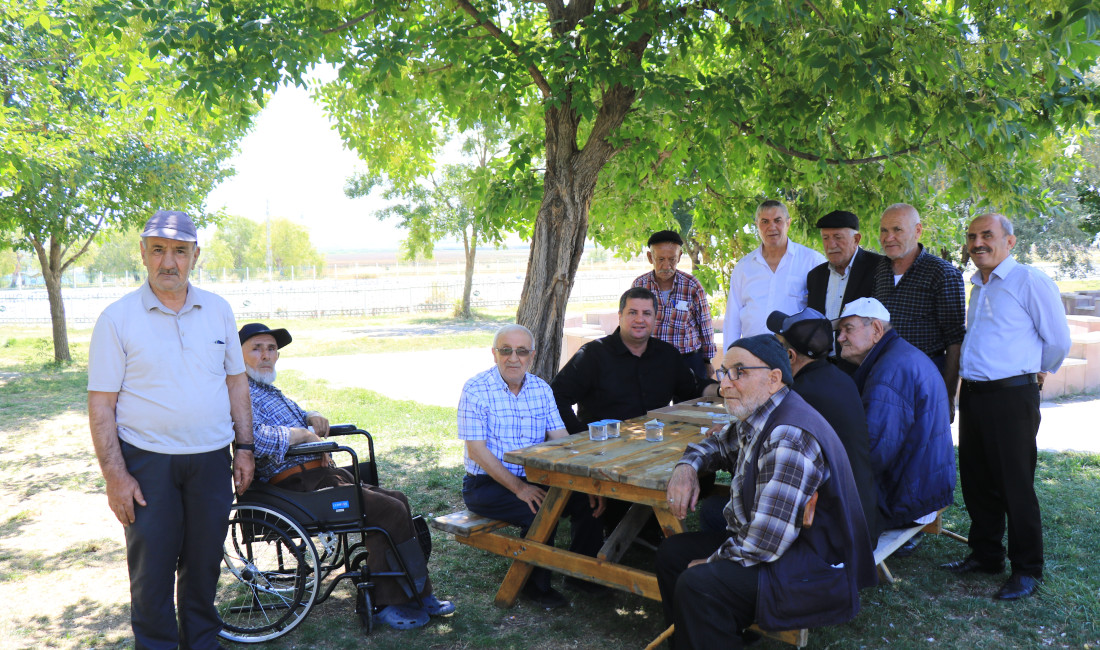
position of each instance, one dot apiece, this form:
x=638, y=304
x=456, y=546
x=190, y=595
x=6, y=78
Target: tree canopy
x=93, y=138
x=620, y=108
x=240, y=243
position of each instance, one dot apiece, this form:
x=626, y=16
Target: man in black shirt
x=626, y=373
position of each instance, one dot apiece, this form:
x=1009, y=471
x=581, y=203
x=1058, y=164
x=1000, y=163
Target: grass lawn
x=63, y=575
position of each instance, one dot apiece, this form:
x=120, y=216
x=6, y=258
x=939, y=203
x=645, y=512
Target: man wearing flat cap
x=912, y=455
x=796, y=550
x=167, y=394
x=683, y=315
x=277, y=423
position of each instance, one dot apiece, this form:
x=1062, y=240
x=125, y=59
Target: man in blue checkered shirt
x=277, y=424
x=506, y=408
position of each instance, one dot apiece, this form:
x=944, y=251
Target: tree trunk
x=52, y=270
x=562, y=221
x=470, y=244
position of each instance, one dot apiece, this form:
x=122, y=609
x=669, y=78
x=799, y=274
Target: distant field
x=448, y=256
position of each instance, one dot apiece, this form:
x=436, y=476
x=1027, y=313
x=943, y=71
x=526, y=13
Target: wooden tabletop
x=629, y=459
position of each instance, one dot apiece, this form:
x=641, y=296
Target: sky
x=293, y=164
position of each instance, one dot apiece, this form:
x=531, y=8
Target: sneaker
x=549, y=599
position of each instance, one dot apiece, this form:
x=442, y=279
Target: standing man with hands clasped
x=1014, y=308
x=683, y=315
x=167, y=394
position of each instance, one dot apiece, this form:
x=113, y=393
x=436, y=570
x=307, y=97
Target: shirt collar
x=500, y=384
x=847, y=269
x=1002, y=271
x=751, y=426
x=150, y=301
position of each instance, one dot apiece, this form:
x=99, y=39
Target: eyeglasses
x=507, y=352
x=734, y=374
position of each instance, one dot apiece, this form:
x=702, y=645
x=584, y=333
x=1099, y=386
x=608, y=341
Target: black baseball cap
x=282, y=337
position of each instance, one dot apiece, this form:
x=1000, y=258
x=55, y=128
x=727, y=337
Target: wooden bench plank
x=465, y=523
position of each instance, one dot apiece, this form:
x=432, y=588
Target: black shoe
x=1018, y=586
x=909, y=547
x=586, y=587
x=549, y=599
x=970, y=564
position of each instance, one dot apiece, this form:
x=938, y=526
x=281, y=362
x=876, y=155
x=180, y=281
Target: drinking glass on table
x=597, y=431
x=654, y=431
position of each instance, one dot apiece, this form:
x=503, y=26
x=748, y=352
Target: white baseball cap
x=866, y=307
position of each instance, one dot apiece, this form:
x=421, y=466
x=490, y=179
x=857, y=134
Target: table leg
x=620, y=539
x=544, y=524
x=670, y=525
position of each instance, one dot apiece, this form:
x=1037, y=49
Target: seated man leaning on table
x=277, y=423
x=507, y=408
x=627, y=373
x=796, y=550
x=908, y=418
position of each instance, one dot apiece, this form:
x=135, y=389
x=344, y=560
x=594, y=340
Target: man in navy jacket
x=907, y=416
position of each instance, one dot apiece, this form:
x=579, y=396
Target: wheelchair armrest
x=307, y=448
x=342, y=429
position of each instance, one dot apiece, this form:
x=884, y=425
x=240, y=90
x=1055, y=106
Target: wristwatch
x=244, y=446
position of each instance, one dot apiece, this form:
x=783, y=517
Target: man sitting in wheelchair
x=278, y=422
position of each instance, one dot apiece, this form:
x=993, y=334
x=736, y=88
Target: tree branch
x=87, y=243
x=351, y=23
x=490, y=27
x=802, y=155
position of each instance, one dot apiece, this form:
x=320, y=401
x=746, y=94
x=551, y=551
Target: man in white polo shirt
x=167, y=394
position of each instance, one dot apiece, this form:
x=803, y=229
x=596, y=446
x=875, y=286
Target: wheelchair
x=286, y=551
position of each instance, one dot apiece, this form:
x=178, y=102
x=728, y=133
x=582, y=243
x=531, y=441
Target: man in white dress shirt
x=1016, y=332
x=770, y=278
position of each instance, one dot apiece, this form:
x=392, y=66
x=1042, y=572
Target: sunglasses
x=507, y=352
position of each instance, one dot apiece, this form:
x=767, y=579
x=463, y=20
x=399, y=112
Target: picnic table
x=628, y=468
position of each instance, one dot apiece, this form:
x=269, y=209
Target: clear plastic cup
x=654, y=431
x=597, y=431
x=612, y=428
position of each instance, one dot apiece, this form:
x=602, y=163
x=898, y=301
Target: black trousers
x=484, y=496
x=711, y=603
x=997, y=459
x=176, y=540
x=697, y=362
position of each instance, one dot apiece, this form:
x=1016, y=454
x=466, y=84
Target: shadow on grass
x=86, y=553
x=95, y=624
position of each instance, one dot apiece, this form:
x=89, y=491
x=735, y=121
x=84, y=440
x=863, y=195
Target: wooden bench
x=892, y=540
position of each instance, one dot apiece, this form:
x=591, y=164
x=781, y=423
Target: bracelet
x=245, y=446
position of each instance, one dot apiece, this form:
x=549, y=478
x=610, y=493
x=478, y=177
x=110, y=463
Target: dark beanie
x=768, y=349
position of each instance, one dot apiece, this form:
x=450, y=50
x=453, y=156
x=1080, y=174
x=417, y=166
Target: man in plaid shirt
x=923, y=293
x=786, y=461
x=277, y=424
x=683, y=315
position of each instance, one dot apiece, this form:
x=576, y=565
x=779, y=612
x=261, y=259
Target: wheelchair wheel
x=270, y=575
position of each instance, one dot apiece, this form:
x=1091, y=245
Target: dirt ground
x=62, y=559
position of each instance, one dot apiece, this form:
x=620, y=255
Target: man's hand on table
x=683, y=490
x=532, y=495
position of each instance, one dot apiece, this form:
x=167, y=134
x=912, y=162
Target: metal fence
x=321, y=298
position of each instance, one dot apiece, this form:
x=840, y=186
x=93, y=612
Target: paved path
x=436, y=377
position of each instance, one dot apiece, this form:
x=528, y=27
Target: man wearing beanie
x=683, y=315
x=796, y=550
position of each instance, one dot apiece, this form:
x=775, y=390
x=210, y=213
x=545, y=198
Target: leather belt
x=297, y=469
x=999, y=384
